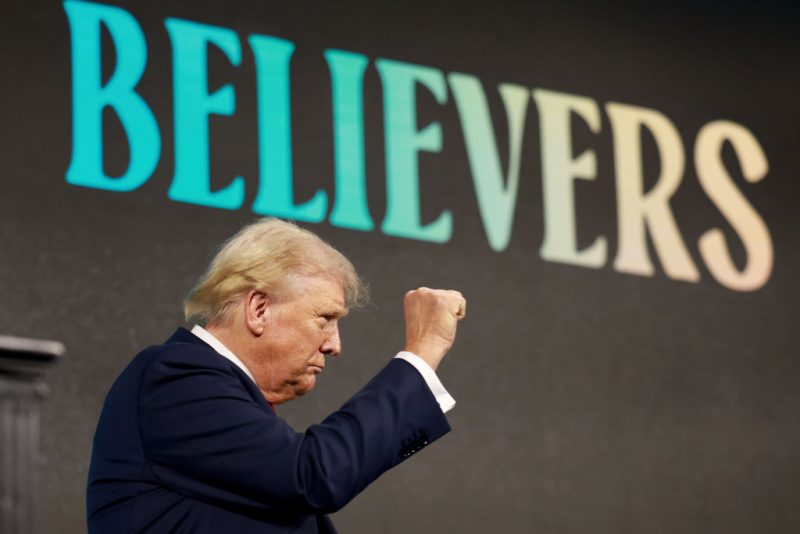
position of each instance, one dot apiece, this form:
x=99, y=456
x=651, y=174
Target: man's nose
x=332, y=345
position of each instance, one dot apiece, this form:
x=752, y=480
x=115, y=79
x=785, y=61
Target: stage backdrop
x=612, y=185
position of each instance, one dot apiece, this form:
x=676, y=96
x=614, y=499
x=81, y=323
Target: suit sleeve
x=205, y=437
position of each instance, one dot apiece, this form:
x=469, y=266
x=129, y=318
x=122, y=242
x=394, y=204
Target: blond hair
x=267, y=255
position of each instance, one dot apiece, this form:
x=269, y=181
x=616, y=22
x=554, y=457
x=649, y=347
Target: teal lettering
x=403, y=143
x=193, y=105
x=90, y=98
x=350, y=209
x=275, y=193
x=496, y=200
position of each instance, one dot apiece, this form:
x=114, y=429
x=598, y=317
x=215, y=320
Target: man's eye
x=329, y=321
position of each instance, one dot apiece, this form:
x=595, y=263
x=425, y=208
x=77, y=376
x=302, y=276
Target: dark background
x=589, y=401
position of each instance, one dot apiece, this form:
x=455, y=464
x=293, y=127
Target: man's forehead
x=321, y=291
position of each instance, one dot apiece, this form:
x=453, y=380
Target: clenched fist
x=431, y=319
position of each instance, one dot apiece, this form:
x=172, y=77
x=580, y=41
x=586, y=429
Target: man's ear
x=256, y=311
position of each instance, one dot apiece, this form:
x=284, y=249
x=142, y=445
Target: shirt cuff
x=445, y=400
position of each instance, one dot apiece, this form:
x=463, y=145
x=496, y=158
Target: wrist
x=427, y=355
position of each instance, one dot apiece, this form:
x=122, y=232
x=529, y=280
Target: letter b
x=90, y=97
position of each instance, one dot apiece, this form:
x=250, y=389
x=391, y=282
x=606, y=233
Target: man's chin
x=307, y=385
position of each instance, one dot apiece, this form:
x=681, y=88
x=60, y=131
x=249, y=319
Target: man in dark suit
x=188, y=439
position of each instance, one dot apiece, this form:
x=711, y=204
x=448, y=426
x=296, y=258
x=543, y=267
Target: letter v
x=497, y=195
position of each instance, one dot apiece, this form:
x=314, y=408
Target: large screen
x=613, y=186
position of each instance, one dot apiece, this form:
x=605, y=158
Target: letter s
x=744, y=219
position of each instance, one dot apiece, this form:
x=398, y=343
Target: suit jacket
x=187, y=443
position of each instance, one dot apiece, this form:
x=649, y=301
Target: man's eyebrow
x=336, y=311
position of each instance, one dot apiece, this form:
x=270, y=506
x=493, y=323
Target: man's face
x=299, y=333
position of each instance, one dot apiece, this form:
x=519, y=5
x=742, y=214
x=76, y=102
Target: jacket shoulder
x=187, y=371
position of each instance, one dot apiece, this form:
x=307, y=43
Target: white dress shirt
x=445, y=400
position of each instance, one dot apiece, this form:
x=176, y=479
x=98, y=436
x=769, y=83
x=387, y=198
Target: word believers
x=640, y=213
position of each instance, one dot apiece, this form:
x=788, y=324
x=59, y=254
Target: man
x=188, y=439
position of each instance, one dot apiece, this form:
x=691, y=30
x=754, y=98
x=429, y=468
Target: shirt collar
x=217, y=345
